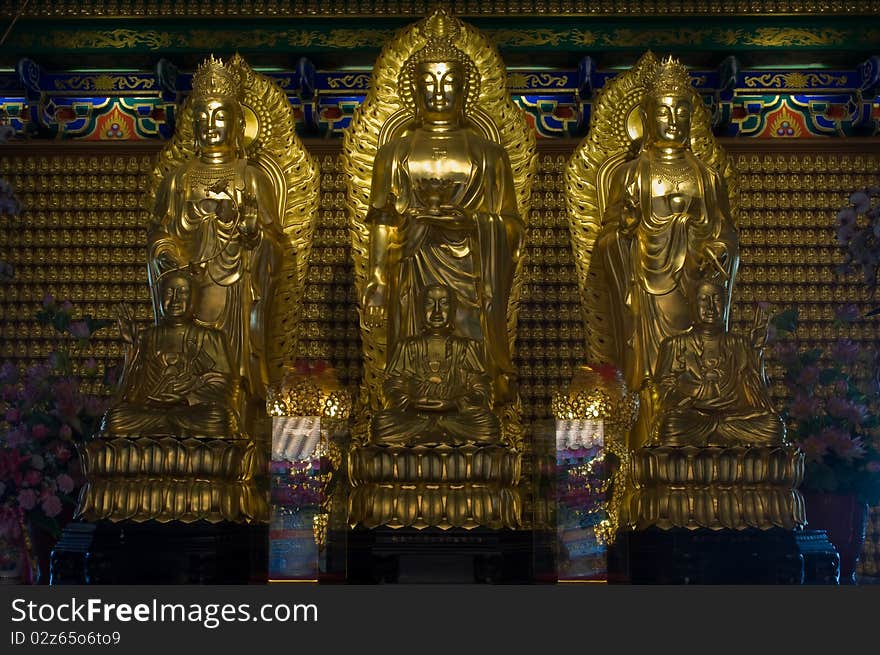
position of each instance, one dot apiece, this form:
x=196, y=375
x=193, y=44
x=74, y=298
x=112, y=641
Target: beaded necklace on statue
x=207, y=175
x=673, y=172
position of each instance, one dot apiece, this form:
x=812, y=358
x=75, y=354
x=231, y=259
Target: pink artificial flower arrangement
x=858, y=235
x=831, y=415
x=43, y=413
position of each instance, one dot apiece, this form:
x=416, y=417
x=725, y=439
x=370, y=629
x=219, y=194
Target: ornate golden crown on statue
x=672, y=79
x=214, y=78
x=441, y=25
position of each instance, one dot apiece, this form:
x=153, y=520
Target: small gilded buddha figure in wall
x=669, y=225
x=710, y=382
x=437, y=390
x=443, y=211
x=218, y=214
x=178, y=376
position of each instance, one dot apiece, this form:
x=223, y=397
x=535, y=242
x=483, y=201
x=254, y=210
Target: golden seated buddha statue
x=718, y=455
x=437, y=388
x=170, y=445
x=177, y=378
x=711, y=385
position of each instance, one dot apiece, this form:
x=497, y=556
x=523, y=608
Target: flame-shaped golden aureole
x=271, y=143
x=613, y=139
x=384, y=115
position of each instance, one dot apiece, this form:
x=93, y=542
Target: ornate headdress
x=187, y=271
x=214, y=79
x=672, y=79
x=442, y=31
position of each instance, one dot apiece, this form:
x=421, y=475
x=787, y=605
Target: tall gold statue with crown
x=234, y=201
x=439, y=161
x=651, y=200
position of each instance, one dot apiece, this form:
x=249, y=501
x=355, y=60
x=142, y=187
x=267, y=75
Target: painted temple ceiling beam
x=537, y=34
x=463, y=8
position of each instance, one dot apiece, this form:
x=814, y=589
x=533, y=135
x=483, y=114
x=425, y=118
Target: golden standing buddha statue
x=218, y=214
x=663, y=223
x=443, y=210
x=436, y=385
x=236, y=199
x=657, y=251
x=438, y=220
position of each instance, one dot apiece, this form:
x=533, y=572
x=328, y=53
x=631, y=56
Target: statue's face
x=671, y=119
x=176, y=298
x=439, y=90
x=438, y=307
x=710, y=304
x=215, y=122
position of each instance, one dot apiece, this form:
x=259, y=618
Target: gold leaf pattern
x=121, y=38
x=355, y=81
x=794, y=36
x=795, y=80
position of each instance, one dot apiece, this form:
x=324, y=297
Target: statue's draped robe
x=651, y=271
x=195, y=226
x=199, y=359
x=475, y=253
x=411, y=375
x=721, y=401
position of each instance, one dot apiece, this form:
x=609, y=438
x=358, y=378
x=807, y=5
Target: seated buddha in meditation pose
x=711, y=386
x=437, y=390
x=178, y=378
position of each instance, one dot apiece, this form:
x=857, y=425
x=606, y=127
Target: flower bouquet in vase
x=831, y=415
x=44, y=411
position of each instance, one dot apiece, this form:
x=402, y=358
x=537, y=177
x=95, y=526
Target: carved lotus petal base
x=167, y=478
x=774, y=465
x=717, y=488
x=172, y=457
x=435, y=465
x=144, y=499
x=441, y=506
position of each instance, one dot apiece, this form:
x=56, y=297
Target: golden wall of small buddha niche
x=787, y=222
x=81, y=236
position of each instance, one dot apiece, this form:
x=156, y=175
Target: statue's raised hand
x=249, y=217
x=125, y=321
x=375, y=304
x=759, y=334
